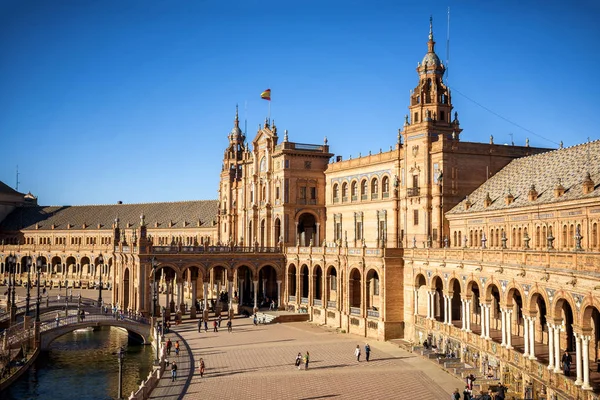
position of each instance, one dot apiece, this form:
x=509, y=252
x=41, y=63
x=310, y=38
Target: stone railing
x=318, y=302
x=354, y=310
x=331, y=304
x=148, y=385
x=373, y=313
x=303, y=300
x=291, y=299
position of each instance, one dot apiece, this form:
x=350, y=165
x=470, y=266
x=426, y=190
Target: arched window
x=459, y=238
x=354, y=191
x=538, y=243
x=336, y=193
x=572, y=235
x=594, y=235
x=519, y=236
x=363, y=189
x=374, y=188
x=455, y=237
x=514, y=238
x=385, y=186
x=564, y=236
x=471, y=238
x=344, y=191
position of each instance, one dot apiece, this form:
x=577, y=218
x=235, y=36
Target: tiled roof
x=5, y=189
x=569, y=165
x=184, y=214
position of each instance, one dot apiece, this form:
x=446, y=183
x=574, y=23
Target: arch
x=307, y=228
x=363, y=189
x=245, y=277
x=86, y=268
x=385, y=186
x=374, y=188
x=562, y=312
x=372, y=296
x=345, y=191
x=354, y=288
x=439, y=311
x=336, y=192
x=354, y=190
x=267, y=285
x=291, y=281
x=126, y=289
x=332, y=282
x=277, y=225
x=304, y=281
x=317, y=282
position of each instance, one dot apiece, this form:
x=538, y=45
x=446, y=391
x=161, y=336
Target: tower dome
x=431, y=61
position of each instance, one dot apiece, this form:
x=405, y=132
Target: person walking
x=566, y=363
x=255, y=319
x=467, y=393
x=177, y=348
x=215, y=326
x=367, y=351
x=57, y=319
x=205, y=326
x=357, y=353
x=306, y=360
x=455, y=395
x=219, y=320
x=229, y=327
x=199, y=325
x=173, y=371
x=169, y=345
x=298, y=362
x=201, y=367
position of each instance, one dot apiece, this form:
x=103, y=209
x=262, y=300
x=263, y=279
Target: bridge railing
x=48, y=302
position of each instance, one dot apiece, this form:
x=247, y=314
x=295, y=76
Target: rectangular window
x=375, y=287
x=313, y=193
x=415, y=217
x=303, y=192
x=415, y=181
x=287, y=163
x=358, y=234
x=277, y=193
x=333, y=282
x=435, y=233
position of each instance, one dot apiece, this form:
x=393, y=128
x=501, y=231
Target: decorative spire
x=237, y=121
x=430, y=27
x=285, y=135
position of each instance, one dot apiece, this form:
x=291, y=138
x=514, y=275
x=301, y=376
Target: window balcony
x=291, y=299
x=354, y=310
x=413, y=192
x=303, y=300
x=318, y=302
x=331, y=304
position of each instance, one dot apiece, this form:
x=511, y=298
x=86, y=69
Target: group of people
x=216, y=325
x=498, y=394
x=302, y=360
x=357, y=352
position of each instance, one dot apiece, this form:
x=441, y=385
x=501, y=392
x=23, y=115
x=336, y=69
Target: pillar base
x=586, y=387
x=550, y=367
x=532, y=357
x=578, y=382
x=557, y=370
x=509, y=347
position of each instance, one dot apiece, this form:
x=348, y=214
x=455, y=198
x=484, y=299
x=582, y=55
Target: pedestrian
x=199, y=325
x=255, y=319
x=298, y=360
x=205, y=326
x=306, y=360
x=566, y=363
x=501, y=391
x=177, y=348
x=467, y=393
x=219, y=320
x=201, y=368
x=169, y=345
x=455, y=395
x=173, y=371
x=57, y=319
x=367, y=351
x=357, y=353
x=215, y=325
x=470, y=380
x=229, y=328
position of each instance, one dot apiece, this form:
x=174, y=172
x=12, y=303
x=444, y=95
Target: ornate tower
x=231, y=185
x=430, y=132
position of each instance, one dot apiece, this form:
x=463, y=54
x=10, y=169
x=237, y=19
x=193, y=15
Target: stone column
x=230, y=294
x=532, y=338
x=205, y=295
x=194, y=298
x=526, y=335
x=428, y=305
x=317, y=241
x=416, y=302
x=550, y=346
x=509, y=329
x=449, y=310
x=241, y=291
x=180, y=296
x=445, y=309
x=557, y=349
x=468, y=310
x=255, y=295
x=586, y=362
x=279, y=295
x=464, y=315
x=482, y=318
x=578, y=338
x=503, y=323
x=488, y=310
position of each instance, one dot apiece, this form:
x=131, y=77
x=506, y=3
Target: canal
x=81, y=365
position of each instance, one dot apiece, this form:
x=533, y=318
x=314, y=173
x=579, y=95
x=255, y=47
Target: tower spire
x=237, y=120
x=430, y=27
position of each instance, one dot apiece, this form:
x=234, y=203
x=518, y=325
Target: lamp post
x=12, y=263
x=40, y=264
x=120, y=355
x=28, y=297
x=154, y=291
x=101, y=264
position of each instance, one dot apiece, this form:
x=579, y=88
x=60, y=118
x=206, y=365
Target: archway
x=563, y=311
x=304, y=282
x=372, y=290
x=455, y=301
x=318, y=283
x=439, y=312
x=420, y=302
x=245, y=285
x=267, y=283
x=125, y=289
x=331, y=288
x=307, y=229
x=354, y=286
x=278, y=238
x=291, y=283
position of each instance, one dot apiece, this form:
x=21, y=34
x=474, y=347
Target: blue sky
x=104, y=101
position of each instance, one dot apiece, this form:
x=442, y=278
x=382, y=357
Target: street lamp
x=40, y=264
x=120, y=355
x=28, y=297
x=154, y=291
x=101, y=264
x=12, y=263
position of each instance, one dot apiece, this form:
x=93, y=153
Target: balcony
x=318, y=302
x=291, y=299
x=303, y=300
x=331, y=304
x=386, y=195
x=354, y=310
x=413, y=192
x=373, y=313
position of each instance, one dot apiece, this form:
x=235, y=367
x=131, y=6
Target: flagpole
x=269, y=111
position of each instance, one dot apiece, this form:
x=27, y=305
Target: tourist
x=272, y=307
x=199, y=325
x=566, y=363
x=501, y=391
x=229, y=328
x=255, y=319
x=215, y=326
x=456, y=395
x=306, y=360
x=205, y=326
x=219, y=320
x=357, y=353
x=201, y=368
x=57, y=319
x=169, y=345
x=298, y=360
x=367, y=351
x=467, y=393
x=173, y=371
x=470, y=380
x=177, y=348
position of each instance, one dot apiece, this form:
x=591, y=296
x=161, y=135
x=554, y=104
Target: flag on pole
x=266, y=95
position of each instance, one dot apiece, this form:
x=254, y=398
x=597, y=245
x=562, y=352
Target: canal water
x=81, y=365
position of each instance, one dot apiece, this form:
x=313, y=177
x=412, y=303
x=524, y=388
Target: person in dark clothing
x=173, y=371
x=566, y=363
x=367, y=351
x=501, y=391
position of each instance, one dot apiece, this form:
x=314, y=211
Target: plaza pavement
x=257, y=362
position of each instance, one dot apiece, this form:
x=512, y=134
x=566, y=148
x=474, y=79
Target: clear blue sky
x=133, y=100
